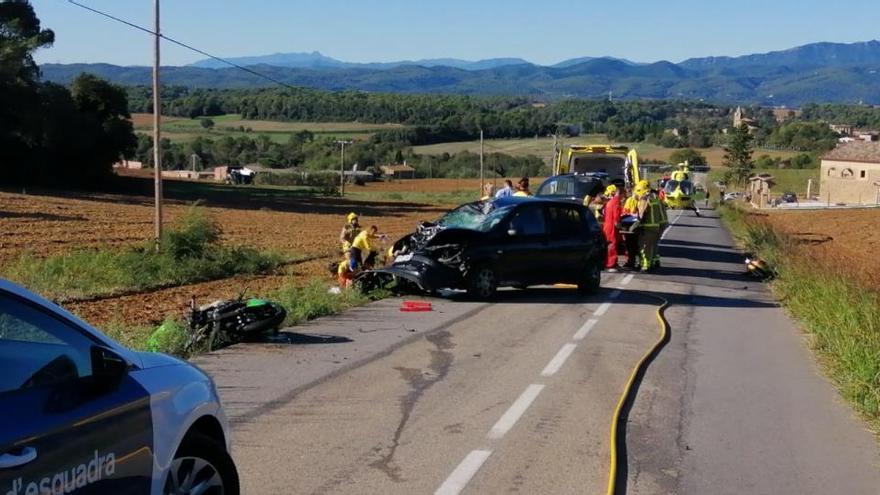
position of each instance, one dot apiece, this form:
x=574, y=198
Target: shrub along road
x=518, y=394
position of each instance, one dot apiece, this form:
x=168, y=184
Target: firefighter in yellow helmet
x=365, y=248
x=652, y=222
x=350, y=230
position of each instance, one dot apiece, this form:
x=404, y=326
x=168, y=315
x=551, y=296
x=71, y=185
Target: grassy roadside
x=191, y=253
x=841, y=314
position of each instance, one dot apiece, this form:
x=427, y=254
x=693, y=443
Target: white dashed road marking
x=459, y=478
x=584, y=330
x=512, y=415
x=558, y=360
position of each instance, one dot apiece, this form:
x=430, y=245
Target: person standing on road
x=350, y=230
x=505, y=191
x=631, y=236
x=652, y=221
x=522, y=187
x=612, y=213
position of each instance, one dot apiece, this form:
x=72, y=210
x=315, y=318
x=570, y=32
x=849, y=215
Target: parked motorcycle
x=229, y=321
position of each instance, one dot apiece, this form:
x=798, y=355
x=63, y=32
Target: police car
x=80, y=413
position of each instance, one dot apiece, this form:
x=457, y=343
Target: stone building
x=850, y=174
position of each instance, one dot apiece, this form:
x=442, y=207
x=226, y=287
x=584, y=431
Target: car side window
x=564, y=222
x=528, y=220
x=37, y=349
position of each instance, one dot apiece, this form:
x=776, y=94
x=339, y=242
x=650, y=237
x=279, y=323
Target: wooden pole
x=157, y=135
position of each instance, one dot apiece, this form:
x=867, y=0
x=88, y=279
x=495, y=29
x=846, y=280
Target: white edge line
x=584, y=330
x=558, y=360
x=627, y=279
x=602, y=309
x=462, y=474
x=516, y=410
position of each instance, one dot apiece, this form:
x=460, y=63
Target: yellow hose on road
x=629, y=392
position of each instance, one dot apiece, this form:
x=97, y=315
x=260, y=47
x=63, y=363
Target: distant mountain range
x=818, y=72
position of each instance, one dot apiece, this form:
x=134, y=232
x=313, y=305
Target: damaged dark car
x=507, y=242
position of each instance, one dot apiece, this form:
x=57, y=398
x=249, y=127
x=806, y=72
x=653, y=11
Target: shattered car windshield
x=473, y=217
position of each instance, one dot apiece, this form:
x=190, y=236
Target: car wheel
x=591, y=280
x=201, y=466
x=482, y=282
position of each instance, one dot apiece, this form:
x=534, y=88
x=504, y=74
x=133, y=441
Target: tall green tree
x=738, y=155
x=48, y=133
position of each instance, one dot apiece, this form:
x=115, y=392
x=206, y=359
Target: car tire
x=482, y=282
x=201, y=460
x=591, y=279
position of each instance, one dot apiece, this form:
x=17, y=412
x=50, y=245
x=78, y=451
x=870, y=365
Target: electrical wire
x=183, y=45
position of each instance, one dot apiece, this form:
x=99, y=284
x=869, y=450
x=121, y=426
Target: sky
x=542, y=32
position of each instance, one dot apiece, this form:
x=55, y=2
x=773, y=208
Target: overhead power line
x=183, y=45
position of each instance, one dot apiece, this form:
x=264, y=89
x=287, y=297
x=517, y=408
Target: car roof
x=519, y=200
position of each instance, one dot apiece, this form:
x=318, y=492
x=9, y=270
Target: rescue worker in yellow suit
x=350, y=230
x=365, y=248
x=652, y=221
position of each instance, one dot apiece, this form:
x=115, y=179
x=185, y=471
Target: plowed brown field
x=439, y=185
x=847, y=239
x=51, y=224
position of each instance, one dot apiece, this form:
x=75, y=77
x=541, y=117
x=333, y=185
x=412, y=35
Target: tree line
x=49, y=133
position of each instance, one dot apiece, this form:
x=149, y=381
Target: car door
x=63, y=429
x=565, y=243
x=520, y=257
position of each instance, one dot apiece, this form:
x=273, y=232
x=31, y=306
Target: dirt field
x=437, y=185
x=52, y=224
x=848, y=238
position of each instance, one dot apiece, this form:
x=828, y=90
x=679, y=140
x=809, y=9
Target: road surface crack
x=419, y=381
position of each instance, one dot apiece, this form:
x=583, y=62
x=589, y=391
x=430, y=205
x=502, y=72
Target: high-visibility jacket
x=654, y=216
x=365, y=242
x=631, y=206
x=521, y=193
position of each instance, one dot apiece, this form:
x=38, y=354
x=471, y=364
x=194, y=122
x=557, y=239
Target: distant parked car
x=789, y=197
x=732, y=196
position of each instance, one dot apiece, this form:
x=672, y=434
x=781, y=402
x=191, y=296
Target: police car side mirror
x=108, y=367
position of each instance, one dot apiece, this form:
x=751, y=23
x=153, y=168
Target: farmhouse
x=398, y=171
x=850, y=174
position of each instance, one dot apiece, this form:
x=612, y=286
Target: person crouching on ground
x=611, y=218
x=522, y=187
x=345, y=273
x=365, y=248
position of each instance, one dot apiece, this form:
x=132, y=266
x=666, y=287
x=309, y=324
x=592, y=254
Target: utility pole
x=342, y=167
x=555, y=151
x=481, y=162
x=157, y=135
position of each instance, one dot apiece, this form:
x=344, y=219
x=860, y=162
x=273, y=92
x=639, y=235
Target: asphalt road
x=517, y=396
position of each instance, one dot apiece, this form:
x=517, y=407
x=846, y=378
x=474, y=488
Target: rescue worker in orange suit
x=611, y=217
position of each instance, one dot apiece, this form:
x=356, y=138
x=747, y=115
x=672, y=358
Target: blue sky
x=543, y=32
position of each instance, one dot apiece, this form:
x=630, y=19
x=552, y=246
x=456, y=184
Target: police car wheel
x=201, y=467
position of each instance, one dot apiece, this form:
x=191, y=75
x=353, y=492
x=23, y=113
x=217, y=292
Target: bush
x=195, y=232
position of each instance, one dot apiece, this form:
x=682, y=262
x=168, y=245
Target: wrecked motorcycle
x=229, y=321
